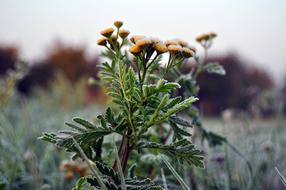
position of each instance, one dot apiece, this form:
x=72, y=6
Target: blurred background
x=56, y=43
x=61, y=36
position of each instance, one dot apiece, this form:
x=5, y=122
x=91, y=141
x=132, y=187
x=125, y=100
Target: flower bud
x=107, y=32
x=212, y=34
x=123, y=33
x=135, y=50
x=171, y=42
x=118, y=24
x=174, y=49
x=182, y=43
x=160, y=48
x=187, y=52
x=134, y=39
x=145, y=42
x=192, y=48
x=155, y=40
x=205, y=37
x=102, y=42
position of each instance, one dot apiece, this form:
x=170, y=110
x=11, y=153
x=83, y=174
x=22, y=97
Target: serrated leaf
x=180, y=121
x=175, y=109
x=84, y=123
x=182, y=150
x=75, y=127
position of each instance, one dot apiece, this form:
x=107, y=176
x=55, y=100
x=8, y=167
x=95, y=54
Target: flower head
x=134, y=39
x=212, y=34
x=123, y=33
x=160, y=48
x=118, y=24
x=192, y=48
x=107, y=32
x=182, y=43
x=187, y=52
x=155, y=40
x=145, y=42
x=206, y=37
x=203, y=37
x=174, y=49
x=102, y=42
x=171, y=42
x=135, y=50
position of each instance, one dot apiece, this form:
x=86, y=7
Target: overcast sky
x=256, y=29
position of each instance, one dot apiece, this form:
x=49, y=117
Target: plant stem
x=124, y=151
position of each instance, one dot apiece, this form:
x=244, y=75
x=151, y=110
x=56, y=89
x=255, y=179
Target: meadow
x=29, y=163
x=142, y=126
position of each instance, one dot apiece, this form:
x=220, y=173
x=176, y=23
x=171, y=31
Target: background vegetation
x=55, y=90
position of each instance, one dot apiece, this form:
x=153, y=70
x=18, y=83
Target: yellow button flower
x=135, y=50
x=123, y=33
x=160, y=48
x=187, y=52
x=118, y=24
x=134, y=39
x=102, y=42
x=145, y=42
x=107, y=32
x=174, y=49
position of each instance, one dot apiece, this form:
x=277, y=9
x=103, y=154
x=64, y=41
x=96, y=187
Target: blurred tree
x=60, y=58
x=39, y=75
x=241, y=84
x=8, y=58
x=283, y=95
x=71, y=60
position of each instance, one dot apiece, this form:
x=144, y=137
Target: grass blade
x=283, y=179
x=120, y=171
x=164, y=179
x=92, y=167
x=177, y=176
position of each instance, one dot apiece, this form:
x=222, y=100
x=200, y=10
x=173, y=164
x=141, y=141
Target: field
x=29, y=163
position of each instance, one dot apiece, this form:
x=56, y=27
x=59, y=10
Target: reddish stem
x=124, y=152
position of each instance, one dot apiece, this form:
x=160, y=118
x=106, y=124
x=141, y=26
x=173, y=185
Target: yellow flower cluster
x=110, y=36
x=176, y=47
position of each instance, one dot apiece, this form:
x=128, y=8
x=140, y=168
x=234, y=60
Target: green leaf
x=80, y=184
x=178, y=132
x=158, y=109
x=175, y=109
x=102, y=121
x=131, y=170
x=213, y=139
x=183, y=150
x=108, y=171
x=180, y=121
x=84, y=123
x=172, y=102
x=215, y=68
x=49, y=137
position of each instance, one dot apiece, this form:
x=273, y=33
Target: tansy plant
x=143, y=102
